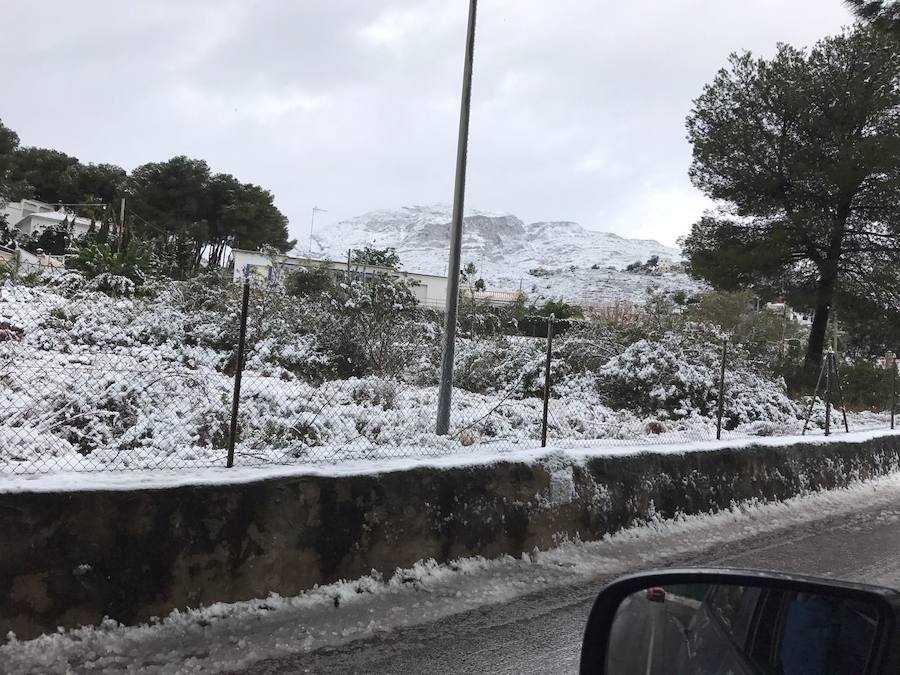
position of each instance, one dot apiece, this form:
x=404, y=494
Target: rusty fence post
x=893, y=393
x=238, y=372
x=828, y=358
x=721, y=409
x=550, y=320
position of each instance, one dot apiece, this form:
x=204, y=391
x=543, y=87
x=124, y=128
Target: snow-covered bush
x=68, y=283
x=112, y=284
x=513, y=365
x=677, y=376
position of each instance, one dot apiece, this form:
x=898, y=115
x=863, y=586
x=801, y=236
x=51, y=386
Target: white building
x=781, y=309
x=19, y=261
x=429, y=289
x=31, y=217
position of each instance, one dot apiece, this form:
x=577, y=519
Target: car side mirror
x=741, y=621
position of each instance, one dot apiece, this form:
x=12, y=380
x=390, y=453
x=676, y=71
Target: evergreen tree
x=376, y=257
x=800, y=152
x=9, y=141
x=883, y=14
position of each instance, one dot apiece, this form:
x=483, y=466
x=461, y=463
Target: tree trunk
x=817, y=332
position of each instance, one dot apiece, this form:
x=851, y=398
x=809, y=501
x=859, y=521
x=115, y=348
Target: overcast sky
x=578, y=105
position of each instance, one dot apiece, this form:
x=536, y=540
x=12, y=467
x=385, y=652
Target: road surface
x=541, y=632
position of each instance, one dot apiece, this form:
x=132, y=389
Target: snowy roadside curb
x=575, y=452
x=68, y=553
x=232, y=637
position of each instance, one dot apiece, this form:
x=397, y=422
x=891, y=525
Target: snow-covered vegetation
x=102, y=374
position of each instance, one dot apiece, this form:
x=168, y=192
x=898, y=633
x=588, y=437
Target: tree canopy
x=800, y=152
x=9, y=141
x=377, y=257
x=883, y=14
x=180, y=200
x=188, y=214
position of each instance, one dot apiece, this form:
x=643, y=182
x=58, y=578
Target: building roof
x=59, y=216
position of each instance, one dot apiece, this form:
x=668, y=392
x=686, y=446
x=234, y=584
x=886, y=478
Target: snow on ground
x=94, y=383
x=230, y=637
x=67, y=481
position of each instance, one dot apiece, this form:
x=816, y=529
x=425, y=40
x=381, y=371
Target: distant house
x=429, y=289
x=31, y=217
x=781, y=309
x=35, y=223
x=16, y=211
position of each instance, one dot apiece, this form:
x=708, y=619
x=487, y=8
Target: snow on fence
x=95, y=375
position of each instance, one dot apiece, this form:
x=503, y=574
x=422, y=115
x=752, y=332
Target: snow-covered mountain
x=546, y=259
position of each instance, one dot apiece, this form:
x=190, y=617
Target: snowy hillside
x=545, y=259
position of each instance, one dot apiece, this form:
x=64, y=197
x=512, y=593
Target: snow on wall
x=74, y=558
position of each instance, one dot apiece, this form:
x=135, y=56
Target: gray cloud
x=578, y=109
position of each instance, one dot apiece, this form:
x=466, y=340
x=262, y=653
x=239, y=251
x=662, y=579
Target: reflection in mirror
x=712, y=629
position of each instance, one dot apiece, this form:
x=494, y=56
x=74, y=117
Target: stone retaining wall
x=72, y=558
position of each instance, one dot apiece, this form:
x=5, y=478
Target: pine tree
x=800, y=152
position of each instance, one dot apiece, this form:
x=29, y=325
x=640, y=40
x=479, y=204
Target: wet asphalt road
x=541, y=632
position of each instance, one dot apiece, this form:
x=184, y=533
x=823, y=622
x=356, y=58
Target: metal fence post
x=828, y=358
x=721, y=409
x=238, y=371
x=893, y=392
x=837, y=385
x=547, y=379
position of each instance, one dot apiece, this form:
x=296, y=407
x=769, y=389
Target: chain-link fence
x=98, y=375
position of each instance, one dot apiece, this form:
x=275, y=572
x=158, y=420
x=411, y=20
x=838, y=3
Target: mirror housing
x=883, y=603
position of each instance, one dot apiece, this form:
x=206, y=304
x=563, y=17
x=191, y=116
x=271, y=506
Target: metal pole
x=445, y=390
x=238, y=371
x=812, y=400
x=312, y=222
x=893, y=392
x=721, y=389
x=837, y=385
x=547, y=379
x=828, y=393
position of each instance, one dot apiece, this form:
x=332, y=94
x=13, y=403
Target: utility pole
x=445, y=390
x=312, y=222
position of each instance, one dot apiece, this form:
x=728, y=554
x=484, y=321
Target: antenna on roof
x=312, y=222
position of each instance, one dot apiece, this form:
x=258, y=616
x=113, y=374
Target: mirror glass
x=711, y=629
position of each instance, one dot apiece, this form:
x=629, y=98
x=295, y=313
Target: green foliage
x=644, y=267
x=865, y=385
x=309, y=282
x=9, y=141
x=469, y=277
x=53, y=240
x=133, y=262
x=533, y=321
x=43, y=174
x=188, y=210
x=380, y=326
x=883, y=14
x=376, y=257
x=800, y=151
x=868, y=329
